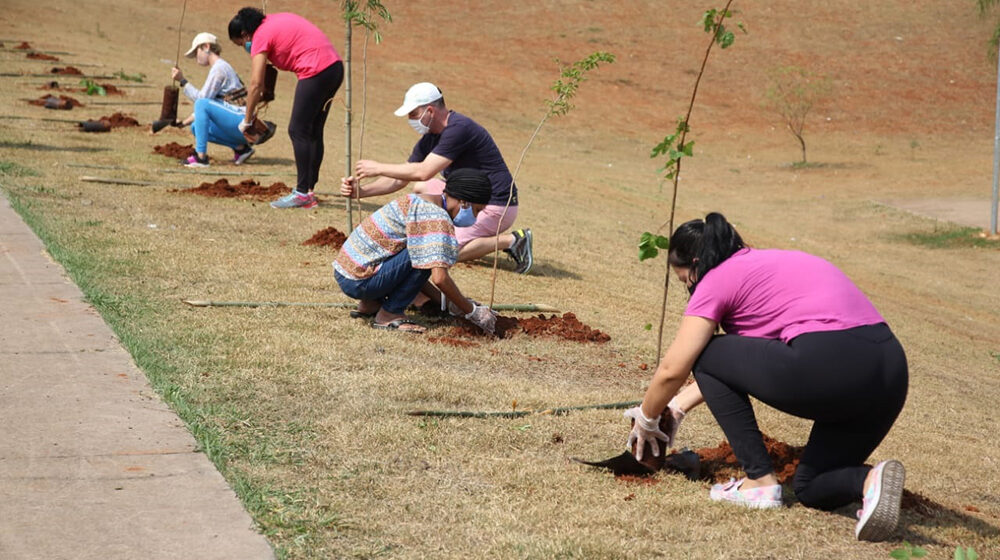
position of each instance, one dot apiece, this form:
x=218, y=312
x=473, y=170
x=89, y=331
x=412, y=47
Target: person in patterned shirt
x=389, y=258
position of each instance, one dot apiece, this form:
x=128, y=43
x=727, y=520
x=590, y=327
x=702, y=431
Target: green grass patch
x=951, y=238
x=14, y=169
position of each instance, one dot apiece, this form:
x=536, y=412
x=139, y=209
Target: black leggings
x=852, y=383
x=305, y=126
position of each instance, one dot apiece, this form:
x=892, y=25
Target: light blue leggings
x=216, y=122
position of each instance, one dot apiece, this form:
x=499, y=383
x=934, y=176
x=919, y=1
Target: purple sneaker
x=195, y=161
x=879, y=512
x=762, y=497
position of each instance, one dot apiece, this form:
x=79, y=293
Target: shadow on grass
x=47, y=148
x=924, y=514
x=546, y=269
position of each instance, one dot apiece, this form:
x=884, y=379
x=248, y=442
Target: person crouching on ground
x=450, y=141
x=800, y=337
x=389, y=257
x=214, y=119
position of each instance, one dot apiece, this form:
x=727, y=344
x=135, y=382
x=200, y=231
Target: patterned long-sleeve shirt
x=221, y=79
x=409, y=222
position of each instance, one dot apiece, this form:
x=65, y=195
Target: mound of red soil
x=567, y=327
x=50, y=85
x=67, y=70
x=246, y=188
x=174, y=150
x=120, y=120
x=327, y=237
x=23, y=46
x=54, y=102
x=112, y=90
x=42, y=56
x=718, y=464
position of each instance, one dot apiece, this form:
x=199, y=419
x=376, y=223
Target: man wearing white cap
x=214, y=119
x=451, y=141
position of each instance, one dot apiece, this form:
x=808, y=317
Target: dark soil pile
x=112, y=90
x=23, y=46
x=120, y=120
x=567, y=327
x=327, y=237
x=56, y=102
x=42, y=56
x=51, y=85
x=174, y=150
x=67, y=70
x=247, y=188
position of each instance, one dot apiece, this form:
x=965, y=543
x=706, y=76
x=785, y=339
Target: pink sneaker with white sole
x=879, y=513
x=762, y=497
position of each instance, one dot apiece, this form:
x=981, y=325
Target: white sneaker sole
x=880, y=522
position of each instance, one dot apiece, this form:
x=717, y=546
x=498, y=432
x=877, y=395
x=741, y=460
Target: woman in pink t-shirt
x=800, y=337
x=292, y=43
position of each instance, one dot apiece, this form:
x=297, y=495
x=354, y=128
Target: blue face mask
x=465, y=217
x=247, y=46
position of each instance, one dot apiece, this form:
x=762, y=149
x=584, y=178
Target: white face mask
x=419, y=126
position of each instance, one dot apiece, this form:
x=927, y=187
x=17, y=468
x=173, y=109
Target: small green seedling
x=908, y=551
x=129, y=77
x=965, y=554
x=92, y=88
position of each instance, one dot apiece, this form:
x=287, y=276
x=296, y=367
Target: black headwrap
x=470, y=185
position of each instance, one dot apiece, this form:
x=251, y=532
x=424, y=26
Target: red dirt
x=65, y=101
x=567, y=327
x=112, y=90
x=327, y=237
x=23, y=46
x=174, y=150
x=718, y=464
x=51, y=85
x=246, y=188
x=120, y=120
x=67, y=70
x=456, y=342
x=42, y=56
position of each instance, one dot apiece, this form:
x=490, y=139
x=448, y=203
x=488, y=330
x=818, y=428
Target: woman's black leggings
x=852, y=383
x=305, y=127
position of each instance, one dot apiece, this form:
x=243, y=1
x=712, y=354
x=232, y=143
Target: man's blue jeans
x=218, y=123
x=394, y=285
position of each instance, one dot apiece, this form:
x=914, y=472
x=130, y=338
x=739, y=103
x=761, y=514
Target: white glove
x=456, y=311
x=644, y=430
x=243, y=126
x=483, y=317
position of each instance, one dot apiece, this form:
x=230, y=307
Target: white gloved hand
x=456, y=311
x=644, y=430
x=483, y=317
x=243, y=126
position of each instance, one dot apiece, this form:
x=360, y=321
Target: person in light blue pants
x=217, y=122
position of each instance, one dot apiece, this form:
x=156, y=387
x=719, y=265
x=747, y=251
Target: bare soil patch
x=174, y=150
x=68, y=70
x=567, y=327
x=42, y=56
x=23, y=46
x=327, y=237
x=248, y=188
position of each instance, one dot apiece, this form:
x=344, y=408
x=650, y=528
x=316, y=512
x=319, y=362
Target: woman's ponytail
x=702, y=245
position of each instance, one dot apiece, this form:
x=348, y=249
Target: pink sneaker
x=879, y=512
x=762, y=497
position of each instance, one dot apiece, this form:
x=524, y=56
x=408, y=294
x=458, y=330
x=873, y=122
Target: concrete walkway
x=92, y=463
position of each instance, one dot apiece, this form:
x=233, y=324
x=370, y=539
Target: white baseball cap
x=199, y=40
x=418, y=94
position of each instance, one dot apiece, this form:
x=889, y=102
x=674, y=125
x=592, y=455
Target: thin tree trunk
x=347, y=121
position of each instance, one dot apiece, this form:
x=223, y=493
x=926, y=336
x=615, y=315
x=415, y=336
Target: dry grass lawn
x=303, y=409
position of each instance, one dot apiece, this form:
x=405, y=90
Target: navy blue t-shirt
x=469, y=145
